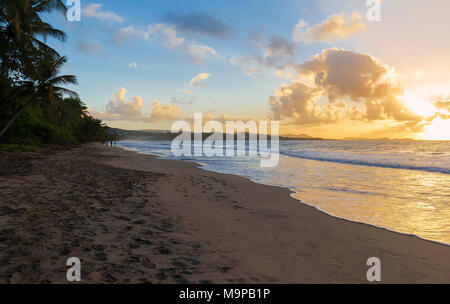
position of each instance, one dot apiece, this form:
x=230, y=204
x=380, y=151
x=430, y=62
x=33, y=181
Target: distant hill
x=153, y=135
x=381, y=138
x=301, y=136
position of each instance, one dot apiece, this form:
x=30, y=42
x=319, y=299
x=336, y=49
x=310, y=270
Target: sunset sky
x=320, y=67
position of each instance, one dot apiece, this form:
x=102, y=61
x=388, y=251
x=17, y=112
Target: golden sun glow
x=418, y=105
x=437, y=130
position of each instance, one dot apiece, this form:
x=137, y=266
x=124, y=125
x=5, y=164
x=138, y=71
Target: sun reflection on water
x=407, y=201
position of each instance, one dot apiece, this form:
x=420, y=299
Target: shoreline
x=292, y=193
x=170, y=221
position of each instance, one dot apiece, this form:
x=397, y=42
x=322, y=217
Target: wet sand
x=133, y=218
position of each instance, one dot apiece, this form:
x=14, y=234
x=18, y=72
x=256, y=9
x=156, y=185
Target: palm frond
x=62, y=80
x=44, y=47
x=49, y=5
x=46, y=30
x=64, y=91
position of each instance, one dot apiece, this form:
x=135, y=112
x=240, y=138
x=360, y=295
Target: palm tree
x=28, y=64
x=45, y=85
x=23, y=16
x=91, y=129
x=21, y=25
x=70, y=111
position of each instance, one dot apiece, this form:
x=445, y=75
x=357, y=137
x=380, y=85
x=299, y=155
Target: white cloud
x=124, y=34
x=120, y=109
x=168, y=32
x=277, y=53
x=198, y=51
x=132, y=65
x=333, y=28
x=94, y=11
x=118, y=106
x=199, y=80
x=168, y=36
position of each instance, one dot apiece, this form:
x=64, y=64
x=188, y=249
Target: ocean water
x=403, y=186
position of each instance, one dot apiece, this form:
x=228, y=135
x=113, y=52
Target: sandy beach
x=133, y=218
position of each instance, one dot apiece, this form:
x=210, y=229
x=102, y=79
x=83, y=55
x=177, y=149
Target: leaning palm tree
x=45, y=86
x=21, y=52
x=48, y=81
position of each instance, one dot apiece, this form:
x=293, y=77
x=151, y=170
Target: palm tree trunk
x=12, y=121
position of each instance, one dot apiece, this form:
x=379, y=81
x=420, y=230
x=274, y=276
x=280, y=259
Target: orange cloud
x=199, y=80
x=160, y=112
x=339, y=85
x=333, y=28
x=120, y=109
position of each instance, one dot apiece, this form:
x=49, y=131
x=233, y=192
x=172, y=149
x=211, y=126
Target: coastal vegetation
x=37, y=109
